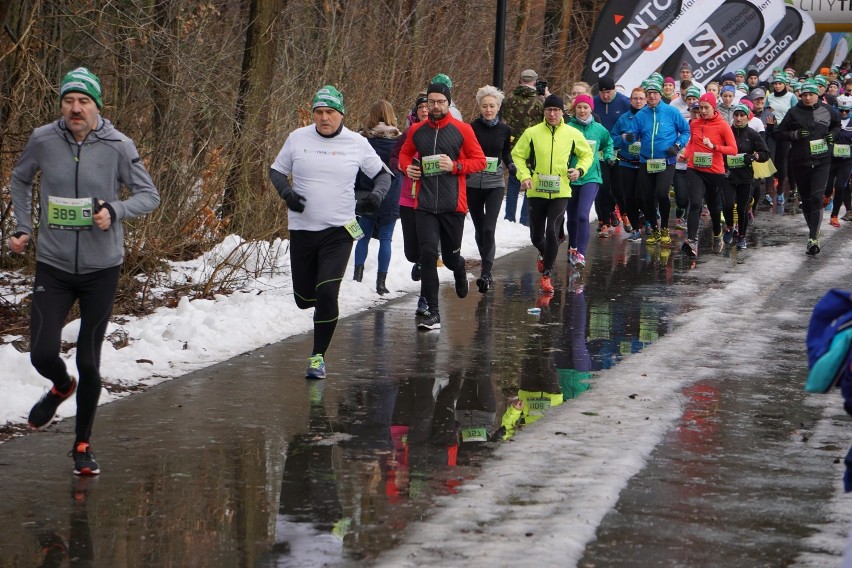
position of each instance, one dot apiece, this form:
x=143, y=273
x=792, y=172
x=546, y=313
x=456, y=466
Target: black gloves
x=673, y=150
x=629, y=136
x=748, y=159
x=295, y=202
x=368, y=204
x=801, y=134
x=829, y=138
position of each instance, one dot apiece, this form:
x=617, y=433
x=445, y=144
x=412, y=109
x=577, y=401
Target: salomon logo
x=704, y=43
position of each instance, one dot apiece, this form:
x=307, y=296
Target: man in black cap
x=609, y=106
x=448, y=151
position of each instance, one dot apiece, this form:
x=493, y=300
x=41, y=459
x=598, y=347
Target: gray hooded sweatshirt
x=96, y=168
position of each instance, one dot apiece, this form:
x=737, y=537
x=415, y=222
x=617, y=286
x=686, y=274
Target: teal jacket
x=595, y=134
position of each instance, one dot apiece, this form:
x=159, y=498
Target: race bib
x=702, y=159
x=656, y=165
x=354, y=229
x=537, y=406
x=736, y=161
x=491, y=165
x=841, y=151
x=634, y=148
x=431, y=165
x=474, y=435
x=818, y=147
x=548, y=184
x=70, y=214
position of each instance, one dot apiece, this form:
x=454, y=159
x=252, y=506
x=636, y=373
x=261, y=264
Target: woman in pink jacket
x=710, y=140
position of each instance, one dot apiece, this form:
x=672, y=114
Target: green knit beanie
x=442, y=78
x=81, y=80
x=329, y=97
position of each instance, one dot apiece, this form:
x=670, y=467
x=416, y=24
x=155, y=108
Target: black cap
x=752, y=73
x=606, y=84
x=440, y=88
x=553, y=101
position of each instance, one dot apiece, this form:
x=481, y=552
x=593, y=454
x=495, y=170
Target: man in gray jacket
x=84, y=161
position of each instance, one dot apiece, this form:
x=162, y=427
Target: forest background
x=209, y=90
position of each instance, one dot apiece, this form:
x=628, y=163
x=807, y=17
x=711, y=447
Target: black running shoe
x=415, y=272
x=432, y=321
x=460, y=274
x=690, y=247
x=484, y=282
x=84, y=459
x=813, y=247
x=44, y=410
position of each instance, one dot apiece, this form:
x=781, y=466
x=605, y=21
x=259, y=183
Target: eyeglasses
x=432, y=102
x=422, y=106
x=553, y=110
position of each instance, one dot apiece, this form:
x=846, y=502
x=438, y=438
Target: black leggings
x=739, y=194
x=433, y=229
x=409, y=234
x=838, y=177
x=317, y=262
x=484, y=205
x=54, y=292
x=626, y=179
x=654, y=189
x=703, y=186
x=545, y=219
x=605, y=200
x=811, y=184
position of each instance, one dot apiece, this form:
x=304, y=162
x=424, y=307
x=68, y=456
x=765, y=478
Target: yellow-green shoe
x=664, y=237
x=653, y=238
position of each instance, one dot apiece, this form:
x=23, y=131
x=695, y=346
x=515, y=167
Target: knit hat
x=741, y=108
x=740, y=72
x=810, y=87
x=748, y=103
x=553, y=101
x=753, y=73
x=742, y=87
x=693, y=92
x=652, y=85
x=780, y=78
x=709, y=98
x=795, y=85
x=81, y=80
x=824, y=71
x=329, y=97
x=657, y=77
x=445, y=79
x=442, y=88
x=729, y=77
x=584, y=99
x=686, y=65
x=669, y=80
x=728, y=89
x=820, y=80
x=420, y=100
x=844, y=102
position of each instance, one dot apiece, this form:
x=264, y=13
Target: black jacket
x=749, y=141
x=818, y=121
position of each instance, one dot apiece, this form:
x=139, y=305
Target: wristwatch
x=458, y=167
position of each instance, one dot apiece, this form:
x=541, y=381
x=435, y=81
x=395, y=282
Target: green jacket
x=597, y=133
x=547, y=150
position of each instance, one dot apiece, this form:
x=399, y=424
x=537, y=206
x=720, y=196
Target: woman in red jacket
x=710, y=139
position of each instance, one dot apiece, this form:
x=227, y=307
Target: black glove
x=673, y=150
x=629, y=136
x=513, y=169
x=748, y=159
x=802, y=134
x=368, y=204
x=829, y=138
x=295, y=202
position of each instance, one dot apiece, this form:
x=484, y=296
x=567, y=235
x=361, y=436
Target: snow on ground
x=541, y=499
x=174, y=341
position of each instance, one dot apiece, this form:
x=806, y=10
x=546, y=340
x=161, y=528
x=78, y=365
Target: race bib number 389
x=70, y=214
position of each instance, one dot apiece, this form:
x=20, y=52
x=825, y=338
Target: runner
x=737, y=188
x=710, y=140
x=811, y=126
x=628, y=162
x=841, y=163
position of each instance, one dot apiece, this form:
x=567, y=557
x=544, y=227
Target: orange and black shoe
x=44, y=410
x=84, y=459
x=546, y=285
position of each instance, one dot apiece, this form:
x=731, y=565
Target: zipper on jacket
x=437, y=178
x=552, y=146
x=77, y=195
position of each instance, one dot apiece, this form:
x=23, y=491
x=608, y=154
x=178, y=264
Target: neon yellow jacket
x=535, y=404
x=545, y=149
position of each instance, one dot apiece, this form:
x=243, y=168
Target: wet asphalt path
x=247, y=464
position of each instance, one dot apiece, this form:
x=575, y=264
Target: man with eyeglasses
x=448, y=151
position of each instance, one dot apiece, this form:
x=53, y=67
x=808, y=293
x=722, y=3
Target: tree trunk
x=248, y=169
